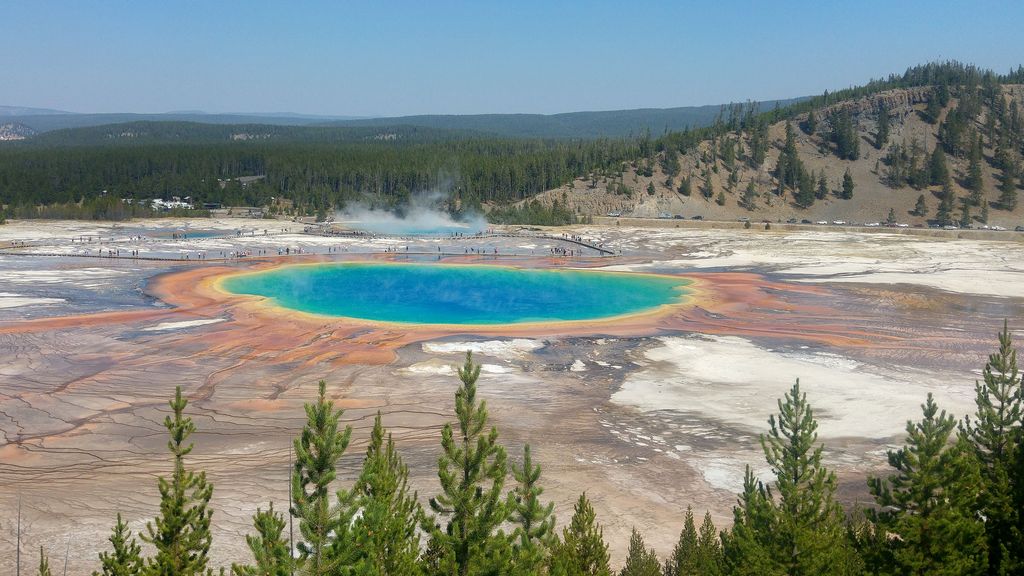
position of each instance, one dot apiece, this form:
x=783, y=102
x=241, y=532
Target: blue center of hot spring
x=457, y=294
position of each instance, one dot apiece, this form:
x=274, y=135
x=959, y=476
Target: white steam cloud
x=422, y=216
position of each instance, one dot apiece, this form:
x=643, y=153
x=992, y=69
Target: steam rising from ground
x=423, y=216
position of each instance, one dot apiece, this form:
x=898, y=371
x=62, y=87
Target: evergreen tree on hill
x=882, y=131
x=1008, y=187
x=847, y=185
x=937, y=171
x=535, y=531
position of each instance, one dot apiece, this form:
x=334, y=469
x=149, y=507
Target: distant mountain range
x=605, y=124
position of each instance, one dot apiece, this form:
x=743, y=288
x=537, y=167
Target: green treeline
x=323, y=168
x=951, y=504
x=315, y=177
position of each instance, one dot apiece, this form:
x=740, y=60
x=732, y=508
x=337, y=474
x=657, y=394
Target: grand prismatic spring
x=474, y=295
x=644, y=375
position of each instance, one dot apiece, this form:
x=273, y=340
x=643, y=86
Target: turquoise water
x=439, y=294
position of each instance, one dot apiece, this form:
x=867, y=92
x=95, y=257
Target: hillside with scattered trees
x=940, y=145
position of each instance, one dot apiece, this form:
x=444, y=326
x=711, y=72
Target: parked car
x=614, y=214
x=664, y=215
x=791, y=221
x=679, y=217
x=839, y=222
x=697, y=217
x=805, y=221
x=1019, y=229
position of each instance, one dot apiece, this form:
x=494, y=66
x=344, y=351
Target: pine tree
x=882, y=132
x=472, y=472
x=720, y=199
x=650, y=189
x=944, y=216
x=995, y=436
x=847, y=185
x=925, y=517
x=749, y=198
x=683, y=561
x=822, y=192
x=181, y=533
x=812, y=123
x=891, y=218
x=44, y=563
x=921, y=207
x=747, y=548
x=1008, y=187
x=269, y=549
x=385, y=530
x=535, y=530
x=639, y=560
x=938, y=173
x=974, y=181
x=984, y=213
x=965, y=213
x=583, y=551
x=126, y=557
x=685, y=187
x=805, y=189
x=323, y=527
x=709, y=549
x=797, y=528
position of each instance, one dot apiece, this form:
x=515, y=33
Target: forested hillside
x=317, y=177
x=941, y=144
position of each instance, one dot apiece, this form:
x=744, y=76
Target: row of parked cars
x=667, y=216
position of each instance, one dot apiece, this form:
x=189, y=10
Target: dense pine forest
x=322, y=168
x=952, y=504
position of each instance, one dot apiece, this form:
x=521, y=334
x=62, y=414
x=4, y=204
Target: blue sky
x=435, y=56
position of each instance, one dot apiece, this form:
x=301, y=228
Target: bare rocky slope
x=874, y=193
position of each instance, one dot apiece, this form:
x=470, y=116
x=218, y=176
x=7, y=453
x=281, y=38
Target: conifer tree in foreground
x=925, y=522
x=323, y=527
x=535, y=533
x=385, y=531
x=126, y=557
x=995, y=435
x=583, y=551
x=472, y=473
x=269, y=548
x=44, y=563
x=181, y=533
x=639, y=560
x=683, y=561
x=797, y=528
x=697, y=553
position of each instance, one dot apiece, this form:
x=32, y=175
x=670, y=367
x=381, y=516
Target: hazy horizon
x=404, y=58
